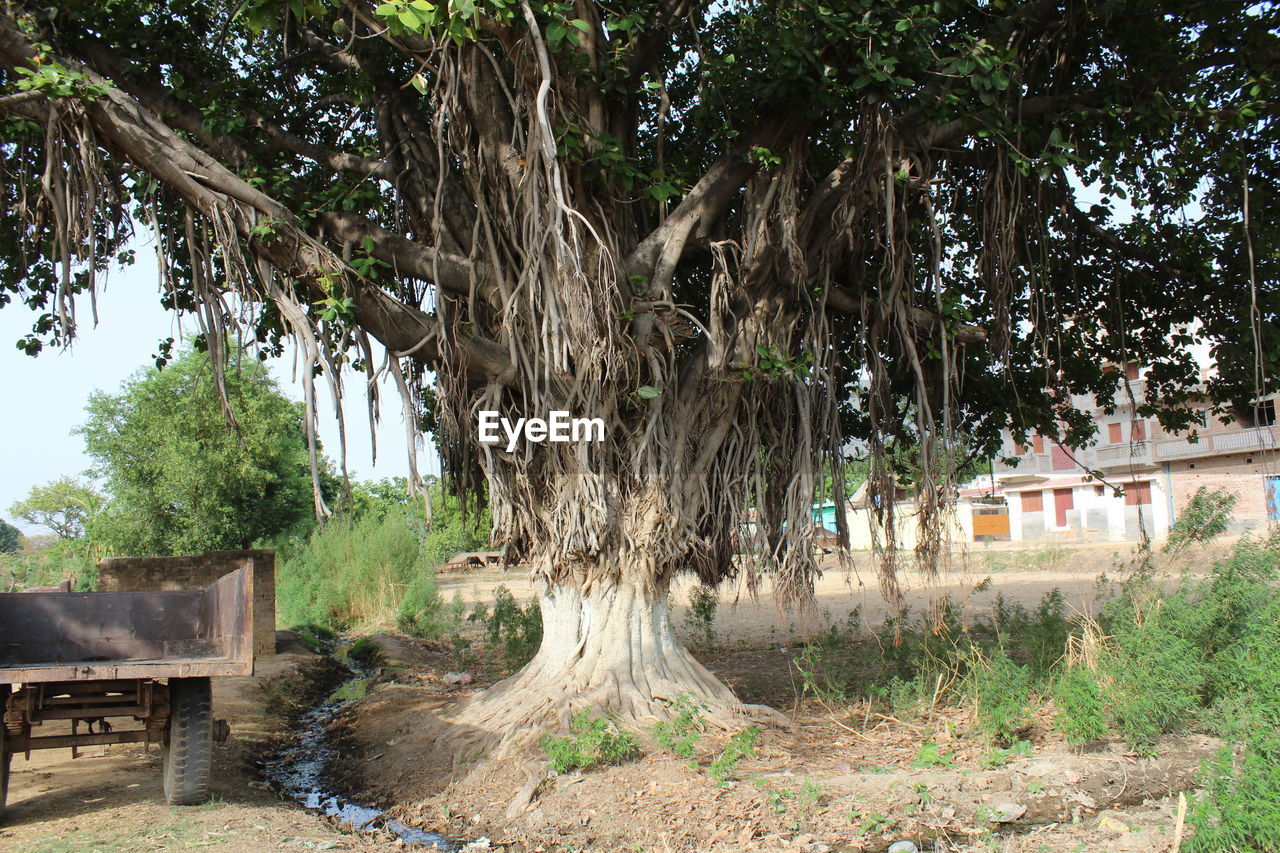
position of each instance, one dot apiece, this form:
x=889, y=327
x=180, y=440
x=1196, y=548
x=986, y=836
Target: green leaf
x=647, y=392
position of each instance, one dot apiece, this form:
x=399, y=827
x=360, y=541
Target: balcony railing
x=1122, y=455
x=1217, y=444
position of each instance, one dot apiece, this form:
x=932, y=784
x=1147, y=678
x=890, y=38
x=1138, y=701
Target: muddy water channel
x=300, y=771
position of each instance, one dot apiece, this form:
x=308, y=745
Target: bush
x=700, y=618
x=1081, y=716
x=1206, y=516
x=594, y=741
x=1000, y=689
x=511, y=630
x=353, y=571
x=1239, y=811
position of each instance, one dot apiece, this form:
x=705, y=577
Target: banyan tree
x=752, y=237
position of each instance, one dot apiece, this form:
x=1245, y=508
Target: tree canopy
x=180, y=477
x=66, y=506
x=739, y=232
x=10, y=537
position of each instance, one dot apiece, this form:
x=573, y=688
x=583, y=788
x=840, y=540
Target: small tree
x=182, y=478
x=67, y=506
x=10, y=537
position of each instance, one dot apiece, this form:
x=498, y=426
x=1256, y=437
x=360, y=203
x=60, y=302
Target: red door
x=1062, y=502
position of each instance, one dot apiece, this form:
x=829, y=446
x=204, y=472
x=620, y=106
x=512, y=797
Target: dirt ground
x=109, y=800
x=828, y=780
x=1019, y=574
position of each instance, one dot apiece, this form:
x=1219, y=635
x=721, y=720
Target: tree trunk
x=610, y=649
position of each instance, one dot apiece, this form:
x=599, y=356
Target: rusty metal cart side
x=146, y=656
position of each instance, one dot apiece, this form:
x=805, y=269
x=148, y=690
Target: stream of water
x=299, y=771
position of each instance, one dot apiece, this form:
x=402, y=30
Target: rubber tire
x=188, y=742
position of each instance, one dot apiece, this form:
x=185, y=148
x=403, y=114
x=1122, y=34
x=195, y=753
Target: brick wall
x=197, y=571
x=1231, y=474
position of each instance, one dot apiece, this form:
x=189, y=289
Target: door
x=1062, y=501
x=1273, y=498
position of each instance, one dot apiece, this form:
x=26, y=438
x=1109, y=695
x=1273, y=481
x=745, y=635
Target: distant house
x=977, y=514
x=1147, y=476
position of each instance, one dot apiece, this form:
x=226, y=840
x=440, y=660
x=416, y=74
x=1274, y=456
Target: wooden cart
x=144, y=656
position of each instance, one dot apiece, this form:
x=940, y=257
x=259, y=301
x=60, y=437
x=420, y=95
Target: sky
x=47, y=394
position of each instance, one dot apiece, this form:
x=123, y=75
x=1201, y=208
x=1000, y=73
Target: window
x=1113, y=433
x=1131, y=370
x=1037, y=443
x=1138, y=431
x=1099, y=491
x=1019, y=449
x=1137, y=494
x=1264, y=413
x=1033, y=501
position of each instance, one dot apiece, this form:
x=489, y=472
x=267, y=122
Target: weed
x=512, y=630
x=741, y=745
x=1000, y=757
x=1000, y=689
x=680, y=735
x=1081, y=715
x=700, y=618
x=593, y=741
x=1035, y=787
x=931, y=755
x=1239, y=810
x=873, y=823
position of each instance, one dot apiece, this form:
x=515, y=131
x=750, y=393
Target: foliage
x=1001, y=691
x=931, y=755
x=67, y=506
x=10, y=537
x=513, y=630
x=1238, y=811
x=594, y=741
x=1079, y=703
x=181, y=479
x=504, y=193
x=1205, y=517
x=742, y=745
x=357, y=570
x=46, y=563
x=999, y=756
x=679, y=735
x=700, y=618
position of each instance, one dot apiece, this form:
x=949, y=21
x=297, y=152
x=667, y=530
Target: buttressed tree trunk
x=738, y=234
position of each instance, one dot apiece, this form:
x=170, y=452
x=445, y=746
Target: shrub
x=680, y=735
x=513, y=631
x=1000, y=690
x=1078, y=698
x=1239, y=812
x=741, y=745
x=1206, y=516
x=700, y=618
x=594, y=741
x=357, y=570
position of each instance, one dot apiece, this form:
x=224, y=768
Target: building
x=1137, y=478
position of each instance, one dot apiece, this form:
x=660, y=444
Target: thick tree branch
x=133, y=132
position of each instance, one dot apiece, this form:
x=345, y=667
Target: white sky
x=47, y=394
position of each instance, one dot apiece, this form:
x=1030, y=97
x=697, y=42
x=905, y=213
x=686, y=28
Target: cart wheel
x=4, y=752
x=188, y=742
